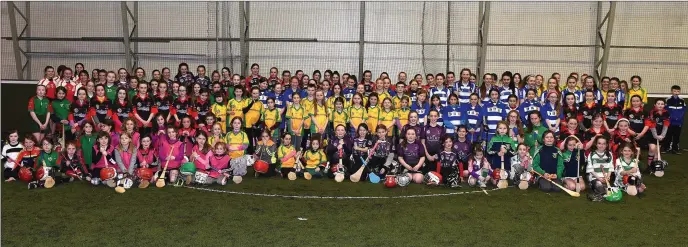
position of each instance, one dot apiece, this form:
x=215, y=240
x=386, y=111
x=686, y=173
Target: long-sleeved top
x=495, y=146
x=549, y=160
x=177, y=154
x=571, y=162
x=75, y=163
x=332, y=151
x=10, y=153
x=217, y=164
x=202, y=159
x=149, y=156
x=677, y=109
x=101, y=160
x=126, y=161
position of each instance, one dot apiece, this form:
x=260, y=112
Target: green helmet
x=615, y=195
x=188, y=168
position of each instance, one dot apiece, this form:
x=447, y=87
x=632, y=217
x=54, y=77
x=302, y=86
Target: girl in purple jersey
x=430, y=137
x=411, y=158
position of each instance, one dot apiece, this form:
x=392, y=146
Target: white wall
x=567, y=23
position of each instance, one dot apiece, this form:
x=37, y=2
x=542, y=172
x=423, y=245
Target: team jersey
x=637, y=119
x=596, y=92
x=387, y=118
x=111, y=92
x=676, y=108
x=339, y=118
x=443, y=93
x=40, y=106
x=565, y=133
x=422, y=110
x=448, y=159
x=220, y=112
x=569, y=112
x=640, y=92
x=307, y=104
x=201, y=108
x=164, y=104
x=10, y=152
x=440, y=118
x=372, y=120
x=237, y=141
x=586, y=112
x=659, y=120
x=348, y=93
x=48, y=159
x=462, y=150
x=61, y=110
x=452, y=117
x=550, y=115
x=523, y=93
x=612, y=114
x=271, y=119
x=100, y=108
x=122, y=110
x=411, y=152
x=413, y=95
x=504, y=93
x=432, y=136
x=319, y=118
x=185, y=79
x=357, y=115
x=330, y=103
x=534, y=138
x=474, y=120
x=545, y=95
x=265, y=94
x=576, y=93
x=290, y=91
x=572, y=160
x=235, y=108
x=464, y=91
x=620, y=97
x=28, y=158
x=296, y=116
x=282, y=152
x=253, y=115
x=402, y=114
x=526, y=107
x=314, y=158
x=592, y=132
x=144, y=107
x=362, y=143
x=493, y=113
x=183, y=107
x=598, y=165
x=619, y=138
x=485, y=97
x=396, y=100
x=51, y=85
x=204, y=81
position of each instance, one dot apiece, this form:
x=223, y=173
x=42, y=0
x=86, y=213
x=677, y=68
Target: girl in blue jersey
x=452, y=114
x=436, y=104
x=484, y=89
x=507, y=89
x=464, y=87
x=552, y=86
x=430, y=138
x=529, y=104
x=531, y=83
x=440, y=90
x=421, y=106
x=571, y=84
x=473, y=119
x=493, y=112
x=589, y=84
x=513, y=103
x=551, y=112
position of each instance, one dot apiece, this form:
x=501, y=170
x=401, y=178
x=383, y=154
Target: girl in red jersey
x=67, y=81
x=622, y=134
x=182, y=107
x=611, y=112
x=143, y=109
x=39, y=110
x=571, y=129
x=49, y=81
x=100, y=106
x=29, y=155
x=121, y=108
x=201, y=152
x=588, y=109
x=658, y=121
x=637, y=117
x=596, y=129
x=163, y=101
x=569, y=109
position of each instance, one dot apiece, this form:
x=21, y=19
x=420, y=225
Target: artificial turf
x=79, y=214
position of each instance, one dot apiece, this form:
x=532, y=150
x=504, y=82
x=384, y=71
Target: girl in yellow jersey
x=271, y=119
x=219, y=109
x=315, y=158
x=215, y=135
x=338, y=116
x=251, y=119
x=236, y=139
x=357, y=113
x=387, y=116
x=295, y=117
x=636, y=90
x=286, y=154
x=360, y=89
x=237, y=106
x=402, y=115
x=318, y=114
x=373, y=112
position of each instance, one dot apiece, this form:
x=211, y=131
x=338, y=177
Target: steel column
x=15, y=40
x=125, y=36
x=606, y=42
x=244, y=8
x=448, y=36
x=361, y=40
x=135, y=33
x=23, y=69
x=483, y=27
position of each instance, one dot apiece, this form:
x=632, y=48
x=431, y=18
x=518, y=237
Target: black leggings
x=9, y=173
x=252, y=134
x=547, y=186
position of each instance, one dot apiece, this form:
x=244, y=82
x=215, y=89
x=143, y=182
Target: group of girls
x=456, y=129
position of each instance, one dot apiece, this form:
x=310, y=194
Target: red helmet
x=25, y=174
x=433, y=178
x=144, y=173
x=72, y=173
x=261, y=166
x=390, y=181
x=496, y=173
x=107, y=173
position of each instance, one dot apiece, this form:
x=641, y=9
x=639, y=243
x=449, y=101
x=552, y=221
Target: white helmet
x=403, y=180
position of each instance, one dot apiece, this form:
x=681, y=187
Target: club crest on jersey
x=585, y=112
x=554, y=155
x=178, y=106
x=606, y=113
x=138, y=104
x=119, y=110
x=76, y=110
x=494, y=109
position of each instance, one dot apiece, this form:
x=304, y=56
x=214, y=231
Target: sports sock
x=650, y=158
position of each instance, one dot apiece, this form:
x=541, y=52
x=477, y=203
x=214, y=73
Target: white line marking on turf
x=336, y=197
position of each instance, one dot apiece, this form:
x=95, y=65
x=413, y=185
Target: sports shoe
x=33, y=185
x=595, y=197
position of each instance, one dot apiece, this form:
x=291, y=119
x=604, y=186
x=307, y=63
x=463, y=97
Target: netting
x=415, y=37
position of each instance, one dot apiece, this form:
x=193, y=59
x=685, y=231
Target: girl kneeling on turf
x=286, y=153
x=599, y=167
x=103, y=156
x=479, y=170
x=627, y=170
x=71, y=164
x=411, y=155
x=450, y=167
x=201, y=153
x=315, y=158
x=381, y=157
x=266, y=151
x=521, y=165
x=574, y=158
x=218, y=164
x=549, y=162
x=168, y=156
x=237, y=143
x=146, y=156
x=340, y=144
